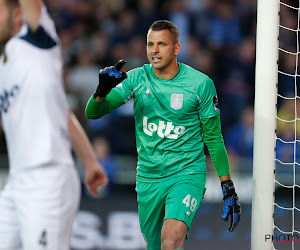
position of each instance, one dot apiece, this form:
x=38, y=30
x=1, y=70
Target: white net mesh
x=287, y=179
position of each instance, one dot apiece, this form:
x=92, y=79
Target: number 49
x=192, y=204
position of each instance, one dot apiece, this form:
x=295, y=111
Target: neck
x=167, y=73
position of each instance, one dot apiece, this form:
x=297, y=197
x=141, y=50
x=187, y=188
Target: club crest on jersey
x=176, y=101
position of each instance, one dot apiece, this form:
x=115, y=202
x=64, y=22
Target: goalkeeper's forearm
x=95, y=109
x=214, y=141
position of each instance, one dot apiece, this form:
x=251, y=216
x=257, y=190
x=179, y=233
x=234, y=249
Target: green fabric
x=215, y=144
x=176, y=198
x=167, y=119
x=169, y=140
x=95, y=110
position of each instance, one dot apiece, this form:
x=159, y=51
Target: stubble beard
x=163, y=67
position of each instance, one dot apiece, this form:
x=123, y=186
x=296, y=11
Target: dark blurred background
x=218, y=39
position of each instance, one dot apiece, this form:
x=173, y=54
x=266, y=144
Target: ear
x=177, y=49
x=18, y=16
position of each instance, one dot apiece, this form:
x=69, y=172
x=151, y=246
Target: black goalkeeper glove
x=109, y=78
x=231, y=205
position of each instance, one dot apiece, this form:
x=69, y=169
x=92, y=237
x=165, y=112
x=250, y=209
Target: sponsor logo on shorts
x=188, y=213
x=163, y=129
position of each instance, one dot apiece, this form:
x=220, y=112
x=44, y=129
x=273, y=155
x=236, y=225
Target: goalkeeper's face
x=162, y=49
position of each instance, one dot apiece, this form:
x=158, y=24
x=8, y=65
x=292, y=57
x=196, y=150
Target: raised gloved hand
x=231, y=205
x=110, y=77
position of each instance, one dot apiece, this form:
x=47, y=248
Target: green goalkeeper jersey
x=169, y=136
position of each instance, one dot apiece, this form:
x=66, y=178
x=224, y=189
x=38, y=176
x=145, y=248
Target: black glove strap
x=228, y=189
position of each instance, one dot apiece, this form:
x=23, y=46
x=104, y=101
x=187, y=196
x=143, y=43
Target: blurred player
x=176, y=112
x=40, y=200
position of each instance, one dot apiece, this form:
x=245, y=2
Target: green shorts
x=177, y=198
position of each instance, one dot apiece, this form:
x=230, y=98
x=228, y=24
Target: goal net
x=287, y=161
x=276, y=200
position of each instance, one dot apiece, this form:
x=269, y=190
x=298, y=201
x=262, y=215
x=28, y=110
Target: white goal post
x=266, y=80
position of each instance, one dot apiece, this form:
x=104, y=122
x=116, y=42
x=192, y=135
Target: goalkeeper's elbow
x=91, y=115
x=93, y=109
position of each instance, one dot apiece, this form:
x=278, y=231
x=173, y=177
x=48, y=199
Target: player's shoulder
x=196, y=74
x=45, y=37
x=142, y=69
x=139, y=71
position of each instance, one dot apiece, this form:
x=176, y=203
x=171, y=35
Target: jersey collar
x=179, y=72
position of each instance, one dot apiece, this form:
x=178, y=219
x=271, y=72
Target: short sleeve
x=45, y=37
x=47, y=24
x=208, y=105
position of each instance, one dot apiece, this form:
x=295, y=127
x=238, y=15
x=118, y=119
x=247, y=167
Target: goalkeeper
x=176, y=112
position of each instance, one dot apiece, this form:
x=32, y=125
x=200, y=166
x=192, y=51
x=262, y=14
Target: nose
x=156, y=48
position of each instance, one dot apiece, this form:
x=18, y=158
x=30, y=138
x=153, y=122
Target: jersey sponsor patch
x=163, y=130
x=216, y=103
x=176, y=101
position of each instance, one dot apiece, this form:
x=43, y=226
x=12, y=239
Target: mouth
x=156, y=59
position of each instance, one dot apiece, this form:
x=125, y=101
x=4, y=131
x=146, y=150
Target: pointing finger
x=120, y=64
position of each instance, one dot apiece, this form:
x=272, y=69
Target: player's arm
x=31, y=12
x=103, y=101
x=95, y=175
x=100, y=106
x=213, y=139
